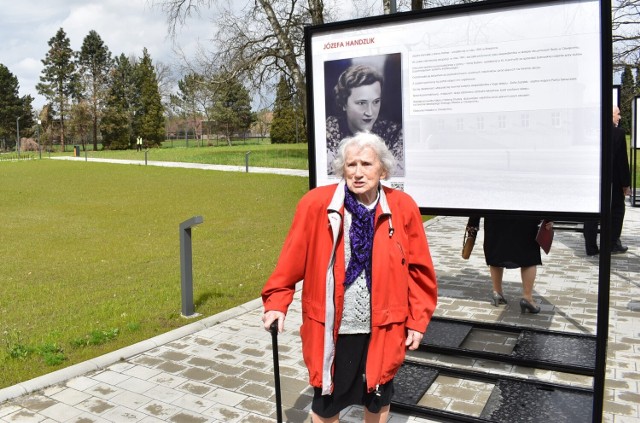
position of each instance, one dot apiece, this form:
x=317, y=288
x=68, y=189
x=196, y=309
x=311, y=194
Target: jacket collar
x=337, y=203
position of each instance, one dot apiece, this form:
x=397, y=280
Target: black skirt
x=511, y=242
x=349, y=385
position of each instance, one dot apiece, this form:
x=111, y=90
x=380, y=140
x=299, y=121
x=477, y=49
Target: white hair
x=363, y=140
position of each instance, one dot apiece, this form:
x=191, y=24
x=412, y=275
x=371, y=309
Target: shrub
x=28, y=144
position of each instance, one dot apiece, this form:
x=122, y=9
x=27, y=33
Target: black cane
x=276, y=368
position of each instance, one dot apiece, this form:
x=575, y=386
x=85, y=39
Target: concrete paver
x=219, y=369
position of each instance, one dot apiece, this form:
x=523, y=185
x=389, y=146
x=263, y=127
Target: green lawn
x=90, y=253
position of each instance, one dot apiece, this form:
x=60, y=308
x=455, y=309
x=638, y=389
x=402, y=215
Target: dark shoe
x=619, y=249
x=593, y=252
x=498, y=298
x=527, y=306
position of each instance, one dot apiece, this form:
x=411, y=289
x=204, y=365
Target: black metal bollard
x=246, y=161
x=186, y=265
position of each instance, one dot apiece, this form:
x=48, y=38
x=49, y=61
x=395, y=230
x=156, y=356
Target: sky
x=125, y=26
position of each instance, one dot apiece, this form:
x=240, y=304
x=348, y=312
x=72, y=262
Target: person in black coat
x=620, y=187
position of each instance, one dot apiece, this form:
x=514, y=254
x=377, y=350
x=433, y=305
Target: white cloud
x=125, y=26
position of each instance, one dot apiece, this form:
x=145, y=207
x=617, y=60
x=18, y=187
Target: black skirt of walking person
x=511, y=242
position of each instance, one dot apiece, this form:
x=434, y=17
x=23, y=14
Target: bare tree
x=625, y=17
x=258, y=43
x=166, y=81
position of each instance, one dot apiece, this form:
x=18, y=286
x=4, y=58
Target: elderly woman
x=369, y=285
x=359, y=95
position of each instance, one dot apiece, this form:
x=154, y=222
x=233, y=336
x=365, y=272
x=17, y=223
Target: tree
x=117, y=120
x=80, y=119
x=265, y=42
x=627, y=91
x=94, y=63
x=262, y=122
x=166, y=84
x=287, y=125
x=232, y=110
x=195, y=98
x=149, y=111
x=12, y=107
x=46, y=125
x=625, y=35
x=58, y=81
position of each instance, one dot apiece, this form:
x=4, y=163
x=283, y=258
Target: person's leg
x=317, y=419
x=380, y=417
x=496, y=278
x=528, y=275
x=590, y=232
x=617, y=219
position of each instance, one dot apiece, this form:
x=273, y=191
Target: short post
x=85, y=154
x=145, y=156
x=186, y=265
x=38, y=137
x=246, y=160
x=18, y=135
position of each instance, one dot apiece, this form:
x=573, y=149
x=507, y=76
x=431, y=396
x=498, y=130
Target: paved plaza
x=220, y=368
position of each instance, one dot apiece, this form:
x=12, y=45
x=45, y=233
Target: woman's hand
x=413, y=339
x=271, y=316
x=549, y=225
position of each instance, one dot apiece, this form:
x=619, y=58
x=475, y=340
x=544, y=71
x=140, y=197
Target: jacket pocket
x=312, y=336
x=390, y=315
x=386, y=353
x=312, y=310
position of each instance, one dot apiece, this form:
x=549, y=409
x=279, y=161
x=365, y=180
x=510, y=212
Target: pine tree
x=116, y=123
x=95, y=61
x=149, y=111
x=287, y=126
x=59, y=81
x=12, y=107
x=627, y=90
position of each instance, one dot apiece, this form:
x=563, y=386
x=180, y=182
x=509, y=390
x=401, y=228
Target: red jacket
x=403, y=292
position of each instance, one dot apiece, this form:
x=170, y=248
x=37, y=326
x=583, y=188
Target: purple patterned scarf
x=361, y=237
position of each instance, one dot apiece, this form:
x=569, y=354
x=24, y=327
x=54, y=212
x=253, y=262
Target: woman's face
x=363, y=106
x=362, y=173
